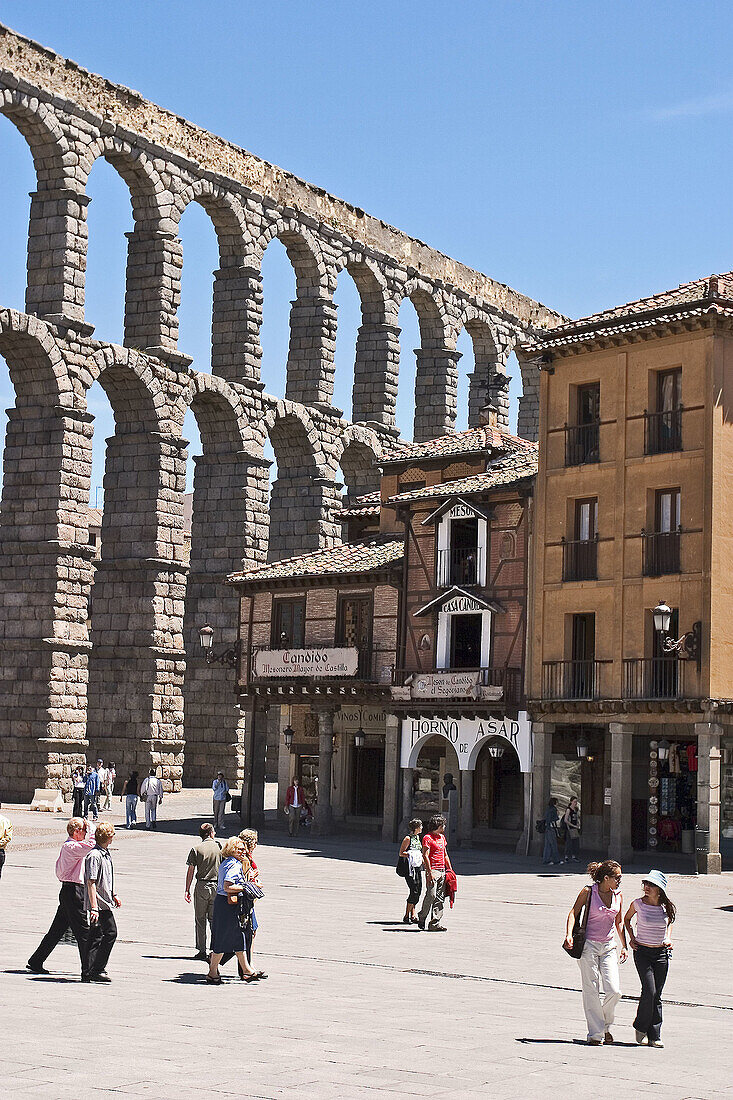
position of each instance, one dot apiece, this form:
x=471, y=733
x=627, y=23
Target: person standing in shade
x=599, y=961
x=91, y=792
x=100, y=901
x=294, y=800
x=571, y=819
x=151, y=791
x=77, y=779
x=436, y=862
x=220, y=789
x=71, y=913
x=652, y=947
x=204, y=858
x=6, y=835
x=551, y=853
x=129, y=793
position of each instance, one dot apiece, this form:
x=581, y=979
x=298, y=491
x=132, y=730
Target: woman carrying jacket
x=226, y=931
x=599, y=961
x=411, y=850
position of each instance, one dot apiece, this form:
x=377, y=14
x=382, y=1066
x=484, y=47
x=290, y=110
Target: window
x=354, y=628
x=462, y=539
x=582, y=668
x=662, y=545
x=664, y=425
x=580, y=551
x=288, y=623
x=582, y=438
x=465, y=641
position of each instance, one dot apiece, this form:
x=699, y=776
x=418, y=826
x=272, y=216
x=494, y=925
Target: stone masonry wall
x=104, y=660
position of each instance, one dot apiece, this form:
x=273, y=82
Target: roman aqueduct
x=124, y=685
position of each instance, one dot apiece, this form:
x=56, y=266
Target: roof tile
x=346, y=558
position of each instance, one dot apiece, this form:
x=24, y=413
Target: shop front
x=487, y=760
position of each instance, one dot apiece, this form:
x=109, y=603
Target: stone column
x=708, y=795
x=312, y=346
x=253, y=787
x=525, y=839
x=228, y=524
x=436, y=392
x=324, y=815
x=153, y=294
x=465, y=828
x=391, y=777
x=619, y=841
x=375, y=374
x=541, y=773
x=57, y=249
x=302, y=513
x=407, y=781
x=235, y=327
x=529, y=403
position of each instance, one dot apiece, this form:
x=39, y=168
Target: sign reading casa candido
x=306, y=662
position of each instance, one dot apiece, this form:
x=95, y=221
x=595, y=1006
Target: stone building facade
x=131, y=684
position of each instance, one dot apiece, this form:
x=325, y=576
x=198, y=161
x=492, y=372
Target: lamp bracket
x=228, y=657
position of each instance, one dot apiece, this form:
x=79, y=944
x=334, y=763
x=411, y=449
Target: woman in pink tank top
x=651, y=943
x=599, y=961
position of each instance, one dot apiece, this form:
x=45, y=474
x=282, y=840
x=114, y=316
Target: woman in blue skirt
x=227, y=933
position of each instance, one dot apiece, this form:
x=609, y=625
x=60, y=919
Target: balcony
x=663, y=431
x=572, y=680
x=661, y=552
x=483, y=685
x=461, y=566
x=580, y=559
x=654, y=678
x=582, y=443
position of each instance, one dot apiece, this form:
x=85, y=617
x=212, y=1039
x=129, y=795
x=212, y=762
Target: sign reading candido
x=306, y=662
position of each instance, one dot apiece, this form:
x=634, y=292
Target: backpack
x=540, y=825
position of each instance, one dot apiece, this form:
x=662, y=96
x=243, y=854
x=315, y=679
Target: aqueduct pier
x=95, y=654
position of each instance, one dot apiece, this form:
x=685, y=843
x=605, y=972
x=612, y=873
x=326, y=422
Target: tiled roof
x=475, y=440
x=366, y=505
x=341, y=560
x=501, y=472
x=713, y=294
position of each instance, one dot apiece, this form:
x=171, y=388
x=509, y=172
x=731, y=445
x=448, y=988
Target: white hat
x=656, y=878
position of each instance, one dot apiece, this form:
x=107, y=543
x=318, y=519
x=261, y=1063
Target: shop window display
x=672, y=804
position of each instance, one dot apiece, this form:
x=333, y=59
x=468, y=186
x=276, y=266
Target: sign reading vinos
x=306, y=662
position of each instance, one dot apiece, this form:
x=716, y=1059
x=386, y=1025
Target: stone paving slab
x=356, y=1005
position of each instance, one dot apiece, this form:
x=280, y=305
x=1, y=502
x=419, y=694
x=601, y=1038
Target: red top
x=435, y=844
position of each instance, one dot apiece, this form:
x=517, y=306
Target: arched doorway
x=437, y=756
x=498, y=796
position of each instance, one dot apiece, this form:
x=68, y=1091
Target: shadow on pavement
x=572, y=1042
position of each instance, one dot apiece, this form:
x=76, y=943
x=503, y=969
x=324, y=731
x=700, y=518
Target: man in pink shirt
x=71, y=913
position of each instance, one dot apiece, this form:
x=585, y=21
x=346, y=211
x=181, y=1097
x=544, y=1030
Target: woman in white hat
x=652, y=946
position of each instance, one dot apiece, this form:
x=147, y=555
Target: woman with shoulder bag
x=599, y=960
x=571, y=821
x=227, y=933
x=652, y=947
x=411, y=852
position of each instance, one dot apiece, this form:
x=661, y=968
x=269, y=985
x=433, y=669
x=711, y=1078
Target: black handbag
x=579, y=929
x=403, y=868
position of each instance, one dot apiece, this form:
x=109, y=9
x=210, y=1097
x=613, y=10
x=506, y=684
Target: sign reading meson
x=306, y=662
x=444, y=685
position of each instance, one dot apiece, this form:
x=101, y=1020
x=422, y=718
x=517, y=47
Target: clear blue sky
x=579, y=152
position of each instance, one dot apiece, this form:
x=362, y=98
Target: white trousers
x=599, y=967
x=151, y=812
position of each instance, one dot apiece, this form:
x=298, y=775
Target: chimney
x=488, y=416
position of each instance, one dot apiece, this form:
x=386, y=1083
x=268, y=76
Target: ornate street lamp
x=582, y=746
x=690, y=642
x=288, y=735
x=228, y=656
x=206, y=637
x=497, y=749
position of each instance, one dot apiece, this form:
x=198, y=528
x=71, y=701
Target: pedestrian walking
x=129, y=793
x=599, y=961
x=203, y=859
x=71, y=913
x=551, y=853
x=151, y=792
x=435, y=862
x=6, y=835
x=91, y=792
x=100, y=901
x=651, y=943
x=220, y=789
x=227, y=932
x=294, y=799
x=109, y=786
x=77, y=779
x=249, y=838
x=103, y=774
x=571, y=821
x=411, y=852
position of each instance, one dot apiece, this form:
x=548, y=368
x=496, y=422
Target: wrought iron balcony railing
x=460, y=566
x=580, y=559
x=661, y=552
x=663, y=431
x=582, y=443
x=570, y=680
x=507, y=683
x=654, y=678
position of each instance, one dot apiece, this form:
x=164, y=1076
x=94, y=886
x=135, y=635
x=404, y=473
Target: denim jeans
x=652, y=964
x=551, y=853
x=572, y=847
x=130, y=810
x=91, y=802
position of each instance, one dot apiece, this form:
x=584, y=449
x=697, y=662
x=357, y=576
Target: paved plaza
x=356, y=1004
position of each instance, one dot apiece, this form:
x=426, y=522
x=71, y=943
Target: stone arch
x=226, y=215
x=377, y=352
x=148, y=193
x=224, y=424
x=489, y=383
x=37, y=369
x=304, y=252
x=294, y=437
x=431, y=314
x=131, y=385
x=436, y=377
x=40, y=128
x=360, y=452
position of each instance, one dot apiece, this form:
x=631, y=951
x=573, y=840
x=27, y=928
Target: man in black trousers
x=71, y=913
x=100, y=900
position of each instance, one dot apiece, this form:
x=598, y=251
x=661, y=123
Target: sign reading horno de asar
x=306, y=662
